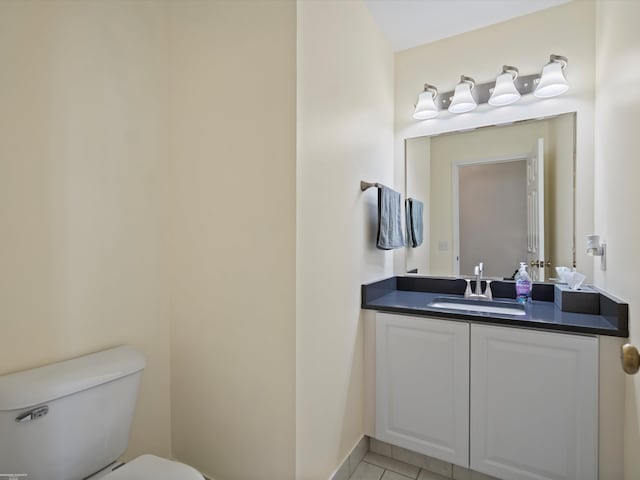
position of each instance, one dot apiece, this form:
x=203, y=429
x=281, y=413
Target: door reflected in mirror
x=499, y=195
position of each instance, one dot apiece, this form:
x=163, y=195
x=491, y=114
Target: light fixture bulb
x=505, y=91
x=463, y=100
x=426, y=107
x=552, y=82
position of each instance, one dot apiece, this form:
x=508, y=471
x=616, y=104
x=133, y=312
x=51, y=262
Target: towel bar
x=364, y=185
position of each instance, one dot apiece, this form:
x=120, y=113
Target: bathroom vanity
x=512, y=396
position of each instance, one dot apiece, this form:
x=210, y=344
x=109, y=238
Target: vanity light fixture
x=552, y=82
x=426, y=107
x=508, y=88
x=505, y=91
x=597, y=249
x=463, y=100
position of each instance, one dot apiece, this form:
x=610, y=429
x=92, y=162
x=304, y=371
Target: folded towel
x=416, y=223
x=407, y=221
x=389, y=221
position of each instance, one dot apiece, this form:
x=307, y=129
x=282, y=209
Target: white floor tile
x=389, y=475
x=366, y=471
x=423, y=461
x=427, y=475
x=396, y=466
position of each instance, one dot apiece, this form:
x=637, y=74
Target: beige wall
x=123, y=122
x=83, y=191
x=418, y=186
x=232, y=110
x=345, y=134
x=480, y=54
x=616, y=187
x=559, y=190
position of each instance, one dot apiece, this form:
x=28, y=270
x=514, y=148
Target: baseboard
x=351, y=461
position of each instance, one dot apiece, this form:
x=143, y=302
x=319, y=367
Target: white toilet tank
x=67, y=420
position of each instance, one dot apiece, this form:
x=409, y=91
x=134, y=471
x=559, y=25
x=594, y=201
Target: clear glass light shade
x=552, y=81
x=463, y=100
x=426, y=107
x=505, y=91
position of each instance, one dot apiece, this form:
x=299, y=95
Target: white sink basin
x=482, y=306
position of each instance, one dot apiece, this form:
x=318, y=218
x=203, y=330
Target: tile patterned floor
x=384, y=461
x=379, y=467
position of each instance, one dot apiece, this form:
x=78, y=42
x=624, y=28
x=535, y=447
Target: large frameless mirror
x=498, y=195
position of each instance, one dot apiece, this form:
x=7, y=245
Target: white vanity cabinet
x=534, y=404
x=422, y=385
x=512, y=403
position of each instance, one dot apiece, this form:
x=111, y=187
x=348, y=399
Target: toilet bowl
x=77, y=415
x=148, y=467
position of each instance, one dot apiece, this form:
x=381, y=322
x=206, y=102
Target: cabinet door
x=422, y=385
x=534, y=404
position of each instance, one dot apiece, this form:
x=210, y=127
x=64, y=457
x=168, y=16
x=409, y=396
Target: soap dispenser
x=523, y=284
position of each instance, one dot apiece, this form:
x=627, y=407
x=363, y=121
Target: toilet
x=71, y=421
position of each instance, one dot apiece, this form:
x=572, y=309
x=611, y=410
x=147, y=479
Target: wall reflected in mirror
x=498, y=195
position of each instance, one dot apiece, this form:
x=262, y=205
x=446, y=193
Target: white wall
x=232, y=110
x=616, y=182
x=345, y=134
x=481, y=54
x=83, y=191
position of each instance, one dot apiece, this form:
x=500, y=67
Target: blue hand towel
x=407, y=221
x=416, y=209
x=389, y=220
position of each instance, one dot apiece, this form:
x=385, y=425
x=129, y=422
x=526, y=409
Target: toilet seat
x=150, y=467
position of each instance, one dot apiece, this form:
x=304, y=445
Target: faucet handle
x=467, y=292
x=487, y=290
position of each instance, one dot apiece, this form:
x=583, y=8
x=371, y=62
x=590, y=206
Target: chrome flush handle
x=32, y=414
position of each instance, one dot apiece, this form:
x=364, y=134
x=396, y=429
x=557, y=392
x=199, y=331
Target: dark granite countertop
x=412, y=295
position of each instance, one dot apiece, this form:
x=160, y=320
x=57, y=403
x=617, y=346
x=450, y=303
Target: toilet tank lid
x=43, y=384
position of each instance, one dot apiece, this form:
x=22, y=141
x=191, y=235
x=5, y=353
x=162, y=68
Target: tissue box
x=585, y=300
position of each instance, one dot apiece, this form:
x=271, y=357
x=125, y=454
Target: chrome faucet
x=478, y=270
